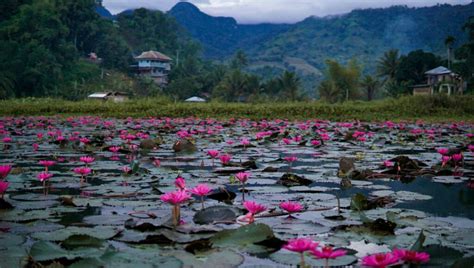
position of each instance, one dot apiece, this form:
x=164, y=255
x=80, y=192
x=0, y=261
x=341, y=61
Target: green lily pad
x=99, y=232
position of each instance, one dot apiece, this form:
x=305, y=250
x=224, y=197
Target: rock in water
x=184, y=145
x=290, y=180
x=346, y=165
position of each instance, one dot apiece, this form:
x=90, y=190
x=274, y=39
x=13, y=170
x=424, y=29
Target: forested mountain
x=222, y=36
x=305, y=46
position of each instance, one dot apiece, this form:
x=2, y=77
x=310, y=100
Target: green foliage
x=464, y=63
x=413, y=66
x=341, y=83
x=437, y=108
x=370, y=85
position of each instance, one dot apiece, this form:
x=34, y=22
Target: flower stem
x=302, y=264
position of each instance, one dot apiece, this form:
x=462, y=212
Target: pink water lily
x=201, y=190
x=83, y=171
x=327, y=252
x=114, y=149
x=388, y=163
x=442, y=151
x=300, y=245
x=225, y=159
x=291, y=207
x=180, y=183
x=44, y=176
x=411, y=256
x=4, y=171
x=242, y=177
x=253, y=209
x=175, y=199
x=380, y=260
x=3, y=187
x=213, y=154
x=47, y=164
x=87, y=159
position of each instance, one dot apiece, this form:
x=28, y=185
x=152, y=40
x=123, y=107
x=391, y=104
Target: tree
x=289, y=85
x=370, y=84
x=413, y=66
x=341, y=81
x=465, y=54
x=448, y=42
x=239, y=61
x=329, y=91
x=233, y=87
x=388, y=64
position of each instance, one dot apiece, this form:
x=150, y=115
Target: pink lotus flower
x=300, y=245
x=380, y=260
x=286, y=141
x=3, y=187
x=291, y=207
x=388, y=163
x=290, y=159
x=176, y=197
x=242, y=176
x=44, y=176
x=412, y=256
x=445, y=159
x=35, y=147
x=201, y=190
x=244, y=142
x=114, y=149
x=83, y=171
x=7, y=140
x=327, y=252
x=254, y=207
x=157, y=162
x=225, y=159
x=315, y=142
x=126, y=169
x=457, y=157
x=470, y=147
x=84, y=140
x=87, y=159
x=180, y=183
x=213, y=153
x=443, y=151
x=47, y=163
x=4, y=171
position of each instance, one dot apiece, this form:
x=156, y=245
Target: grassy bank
x=439, y=108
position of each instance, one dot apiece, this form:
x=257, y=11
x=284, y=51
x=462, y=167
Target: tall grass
x=436, y=108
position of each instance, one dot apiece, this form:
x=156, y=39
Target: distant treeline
x=45, y=46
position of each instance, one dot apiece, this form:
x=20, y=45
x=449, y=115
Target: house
x=155, y=65
x=106, y=96
x=440, y=80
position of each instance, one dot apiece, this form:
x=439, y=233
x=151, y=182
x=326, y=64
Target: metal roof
x=98, y=95
x=438, y=70
x=153, y=55
x=195, y=99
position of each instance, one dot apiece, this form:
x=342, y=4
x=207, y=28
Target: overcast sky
x=255, y=11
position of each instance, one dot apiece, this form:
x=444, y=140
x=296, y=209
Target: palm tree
x=448, y=42
x=370, y=84
x=387, y=65
x=329, y=91
x=290, y=84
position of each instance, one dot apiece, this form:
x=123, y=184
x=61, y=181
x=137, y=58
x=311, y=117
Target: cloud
x=256, y=11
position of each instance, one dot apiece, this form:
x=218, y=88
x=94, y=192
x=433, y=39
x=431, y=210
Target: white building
x=154, y=65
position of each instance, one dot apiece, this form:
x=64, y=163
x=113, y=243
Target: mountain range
x=303, y=47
